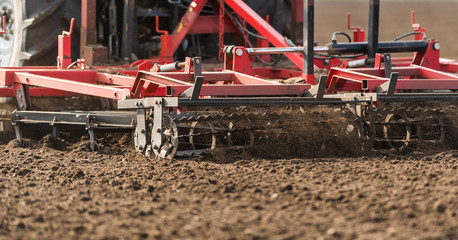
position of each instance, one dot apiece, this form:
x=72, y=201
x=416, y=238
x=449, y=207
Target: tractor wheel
x=271, y=8
x=32, y=30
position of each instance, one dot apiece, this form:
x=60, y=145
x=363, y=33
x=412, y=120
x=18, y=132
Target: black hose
x=340, y=33
x=409, y=34
x=338, y=56
x=239, y=24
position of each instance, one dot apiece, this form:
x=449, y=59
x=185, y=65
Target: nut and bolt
x=436, y=46
x=239, y=52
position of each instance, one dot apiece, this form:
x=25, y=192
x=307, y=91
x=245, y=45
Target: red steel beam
x=246, y=90
x=208, y=24
x=71, y=86
x=448, y=65
x=186, y=22
x=416, y=84
x=36, y=92
x=264, y=28
x=7, y=74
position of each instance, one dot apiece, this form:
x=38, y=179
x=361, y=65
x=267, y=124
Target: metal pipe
x=128, y=29
x=383, y=47
x=171, y=67
x=308, y=31
x=283, y=50
x=348, y=48
x=374, y=17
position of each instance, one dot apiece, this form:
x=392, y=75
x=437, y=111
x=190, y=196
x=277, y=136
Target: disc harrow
x=176, y=109
x=398, y=128
x=192, y=134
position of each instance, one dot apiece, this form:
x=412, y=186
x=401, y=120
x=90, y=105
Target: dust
x=317, y=132
x=451, y=122
x=81, y=103
x=293, y=131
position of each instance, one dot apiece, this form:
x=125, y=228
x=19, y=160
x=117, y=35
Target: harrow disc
x=432, y=127
x=240, y=133
x=202, y=135
x=397, y=130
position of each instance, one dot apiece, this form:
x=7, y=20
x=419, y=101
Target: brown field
x=73, y=193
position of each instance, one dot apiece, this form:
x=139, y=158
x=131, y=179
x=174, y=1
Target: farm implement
x=177, y=109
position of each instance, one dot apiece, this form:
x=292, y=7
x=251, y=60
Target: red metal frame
x=144, y=84
x=64, y=58
x=413, y=77
x=425, y=71
x=417, y=27
x=358, y=33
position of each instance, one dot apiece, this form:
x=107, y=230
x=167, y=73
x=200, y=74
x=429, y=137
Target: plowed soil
x=69, y=192
x=53, y=194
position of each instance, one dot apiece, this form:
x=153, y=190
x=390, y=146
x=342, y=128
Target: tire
x=273, y=8
x=32, y=30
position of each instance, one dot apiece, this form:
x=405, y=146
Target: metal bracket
x=390, y=86
x=55, y=133
x=90, y=127
x=22, y=96
x=317, y=91
x=194, y=91
x=17, y=127
x=158, y=125
x=92, y=139
x=18, y=132
x=387, y=60
x=141, y=135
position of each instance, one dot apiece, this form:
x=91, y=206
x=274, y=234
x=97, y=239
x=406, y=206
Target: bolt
x=140, y=148
x=142, y=130
x=387, y=57
x=115, y=94
x=158, y=130
x=239, y=52
x=22, y=106
x=156, y=147
x=436, y=46
x=27, y=79
x=197, y=61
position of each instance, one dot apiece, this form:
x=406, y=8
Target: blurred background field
x=440, y=19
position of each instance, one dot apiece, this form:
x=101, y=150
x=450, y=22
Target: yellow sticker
x=180, y=26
